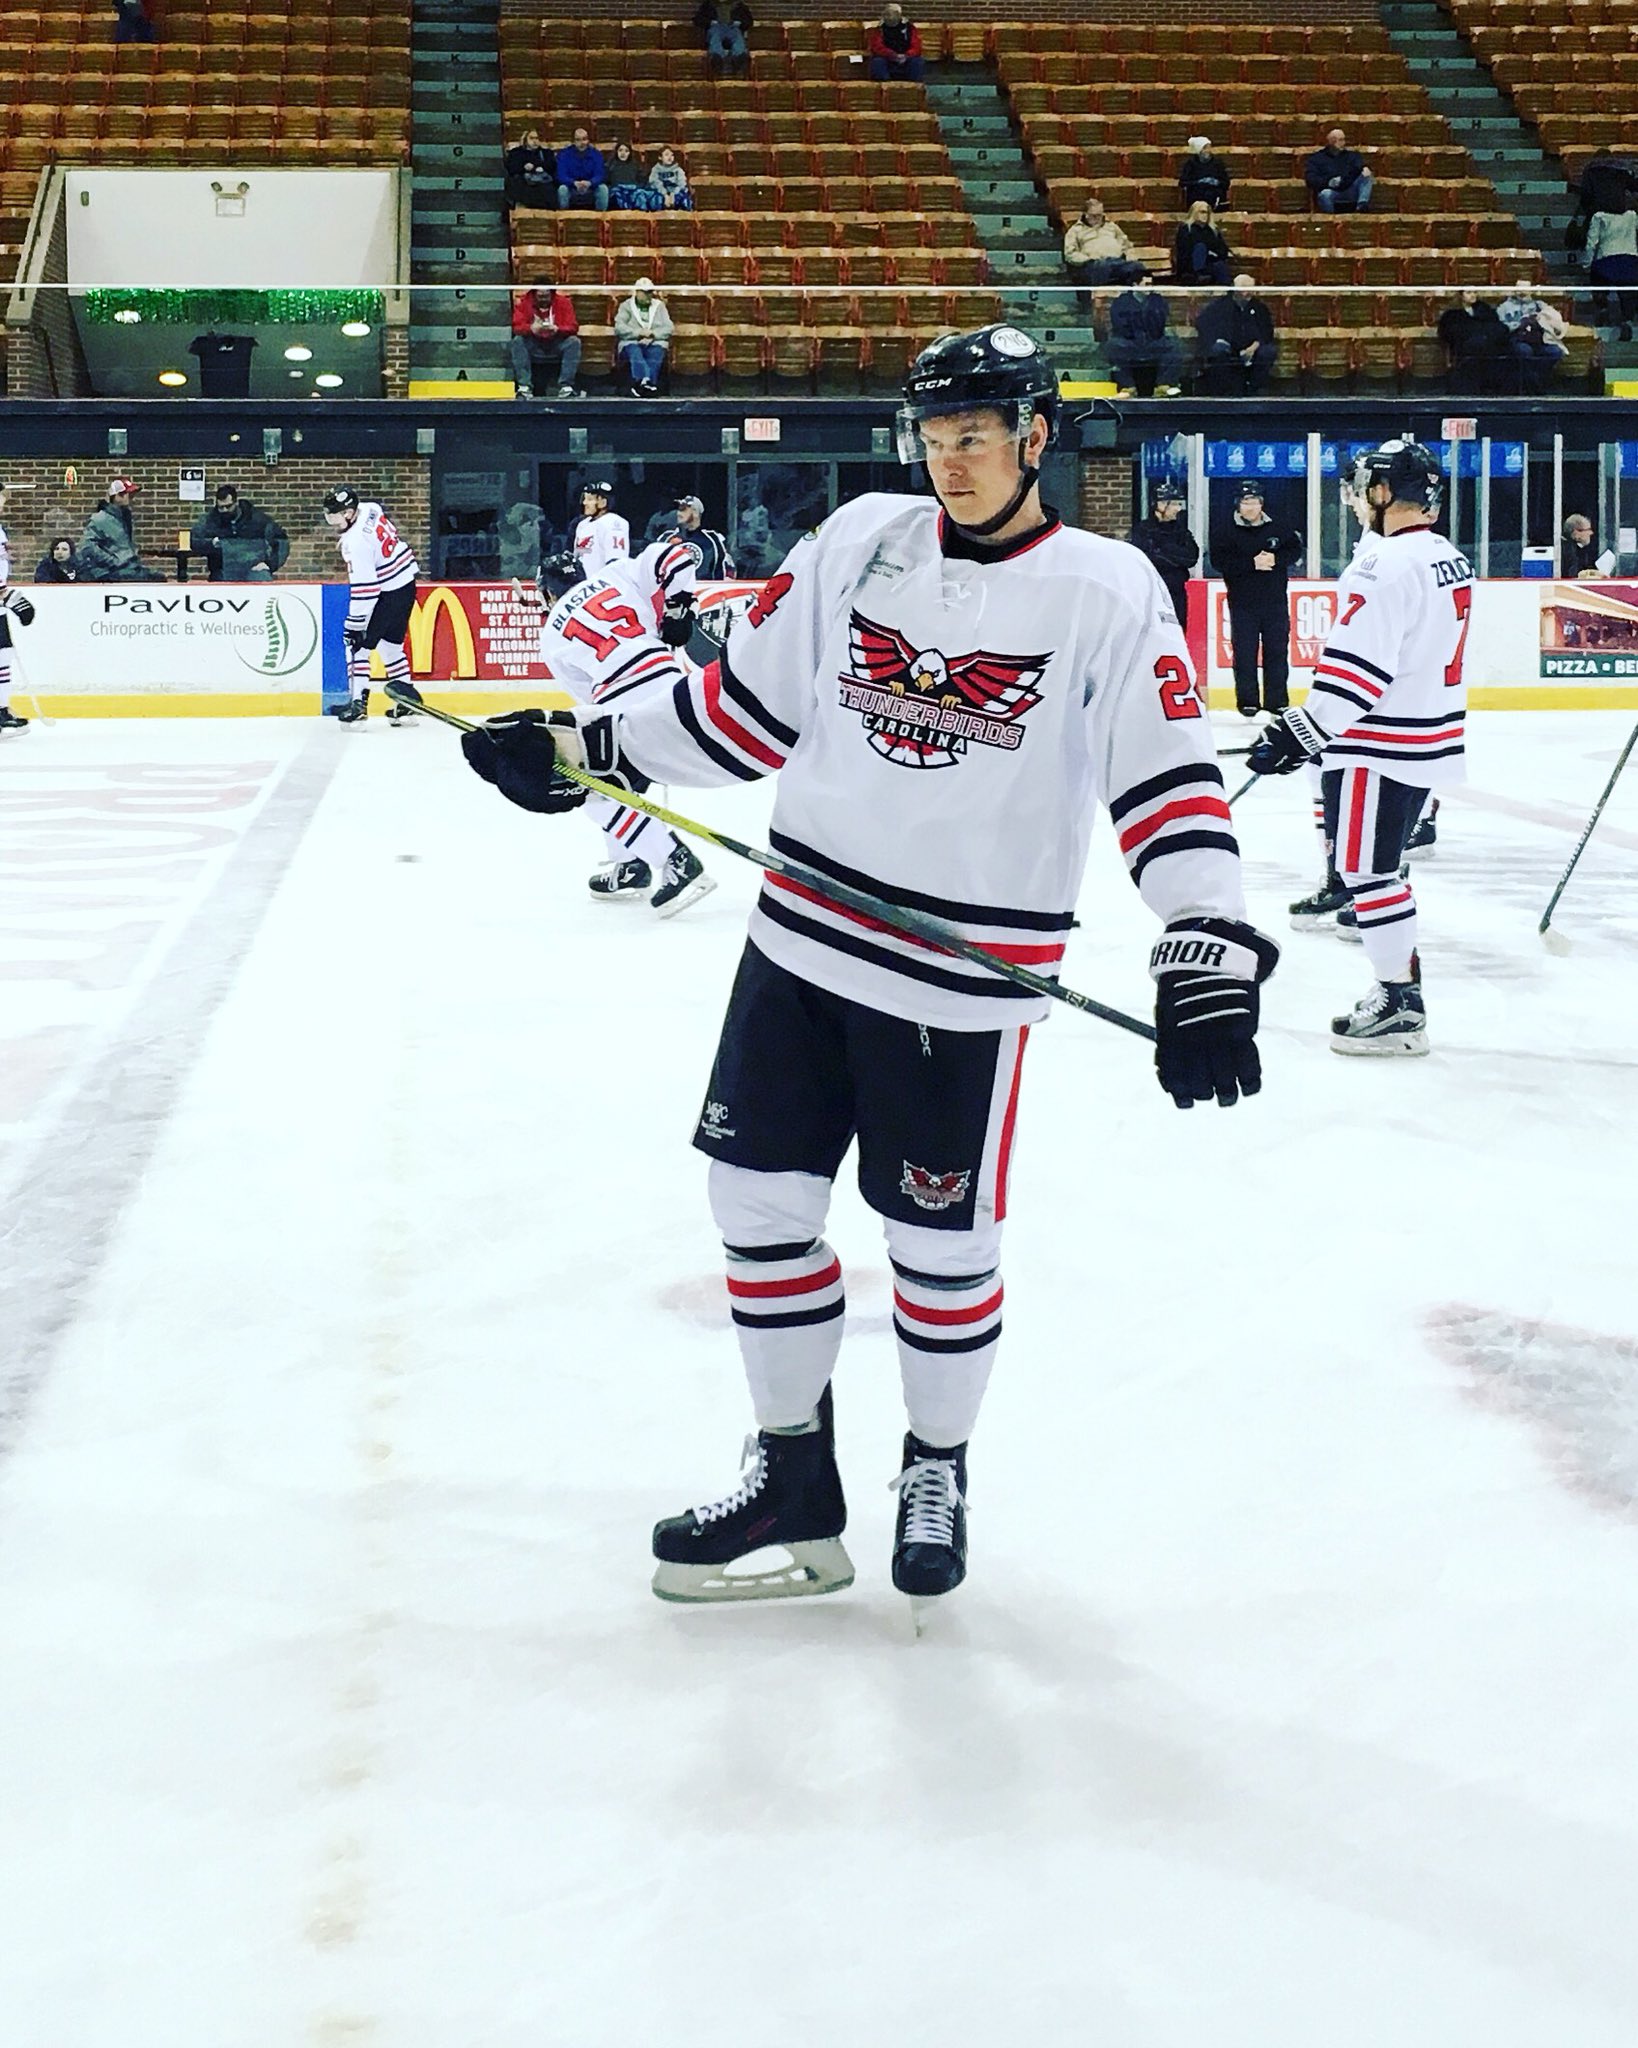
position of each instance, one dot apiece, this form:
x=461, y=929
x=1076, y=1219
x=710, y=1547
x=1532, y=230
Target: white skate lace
x=755, y=1460
x=931, y=1497
x=1372, y=1006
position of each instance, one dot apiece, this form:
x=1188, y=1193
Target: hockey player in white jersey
x=603, y=637
x=1386, y=720
x=950, y=686
x=382, y=570
x=14, y=606
x=602, y=539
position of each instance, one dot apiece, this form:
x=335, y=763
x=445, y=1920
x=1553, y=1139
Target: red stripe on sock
x=914, y=1311
x=767, y=1290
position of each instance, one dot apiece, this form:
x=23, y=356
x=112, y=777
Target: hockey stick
x=931, y=931
x=1555, y=942
x=1244, y=786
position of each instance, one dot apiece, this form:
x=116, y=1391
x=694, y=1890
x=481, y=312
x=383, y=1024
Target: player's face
x=338, y=522
x=972, y=461
x=590, y=504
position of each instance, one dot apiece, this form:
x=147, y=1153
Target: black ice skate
x=1390, y=1020
x=682, y=881
x=403, y=714
x=10, y=722
x=1426, y=836
x=356, y=711
x=1347, y=925
x=619, y=881
x=789, y=1498
x=1314, y=913
x=930, y=1541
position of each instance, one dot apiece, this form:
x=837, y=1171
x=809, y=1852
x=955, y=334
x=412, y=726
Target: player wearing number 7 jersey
x=1386, y=721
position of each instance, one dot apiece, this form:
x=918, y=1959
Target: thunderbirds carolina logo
x=922, y=707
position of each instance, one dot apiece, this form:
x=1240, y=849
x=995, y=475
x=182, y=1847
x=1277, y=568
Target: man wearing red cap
x=108, y=549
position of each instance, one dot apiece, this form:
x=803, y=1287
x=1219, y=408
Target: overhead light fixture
x=297, y=354
x=298, y=373
x=357, y=329
x=328, y=381
x=128, y=316
x=173, y=377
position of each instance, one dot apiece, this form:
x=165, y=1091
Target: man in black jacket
x=1475, y=342
x=1237, y=346
x=1168, y=543
x=1255, y=555
x=1337, y=177
x=242, y=541
x=1140, y=347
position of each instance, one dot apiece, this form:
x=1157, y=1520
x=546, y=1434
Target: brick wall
x=1106, y=494
x=292, y=493
x=44, y=359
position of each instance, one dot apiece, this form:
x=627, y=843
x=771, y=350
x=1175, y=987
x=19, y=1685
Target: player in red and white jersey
x=603, y=637
x=949, y=686
x=12, y=604
x=383, y=571
x=602, y=539
x=1386, y=721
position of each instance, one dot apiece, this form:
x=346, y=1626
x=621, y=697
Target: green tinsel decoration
x=236, y=308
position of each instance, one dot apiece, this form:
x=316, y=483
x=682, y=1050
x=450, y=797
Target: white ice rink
x=362, y=1309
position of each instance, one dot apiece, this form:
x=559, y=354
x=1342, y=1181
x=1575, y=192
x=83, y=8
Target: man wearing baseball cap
x=686, y=522
x=642, y=336
x=108, y=549
x=1165, y=538
x=1255, y=554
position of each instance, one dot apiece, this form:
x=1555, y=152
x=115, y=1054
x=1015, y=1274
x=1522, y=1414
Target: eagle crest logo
x=922, y=708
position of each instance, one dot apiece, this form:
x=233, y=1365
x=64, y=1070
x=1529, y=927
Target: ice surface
x=364, y=1310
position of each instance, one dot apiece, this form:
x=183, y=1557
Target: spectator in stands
x=1578, y=550
x=545, y=340
x=1612, y=261
x=1237, y=345
x=243, y=543
x=1201, y=175
x=1608, y=184
x=670, y=181
x=1097, y=251
x=1140, y=346
x=1167, y=541
x=1535, y=332
x=1337, y=177
x=642, y=335
x=895, y=48
x=131, y=23
x=59, y=563
x=582, y=176
x=1476, y=344
x=531, y=172
x=725, y=25
x=108, y=549
x=1199, y=253
x=628, y=187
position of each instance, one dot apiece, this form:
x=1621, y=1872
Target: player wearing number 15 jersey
x=1386, y=721
x=382, y=570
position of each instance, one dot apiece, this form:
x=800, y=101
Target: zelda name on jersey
x=921, y=706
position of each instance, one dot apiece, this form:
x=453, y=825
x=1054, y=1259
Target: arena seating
x=325, y=83
x=1569, y=66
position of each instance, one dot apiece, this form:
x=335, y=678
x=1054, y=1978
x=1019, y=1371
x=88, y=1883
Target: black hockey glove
x=1290, y=741
x=677, y=621
x=519, y=756
x=353, y=636
x=1206, y=972
x=19, y=607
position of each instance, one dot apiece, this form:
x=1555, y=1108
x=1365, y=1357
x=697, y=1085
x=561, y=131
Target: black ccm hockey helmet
x=340, y=505
x=559, y=573
x=999, y=366
x=1410, y=471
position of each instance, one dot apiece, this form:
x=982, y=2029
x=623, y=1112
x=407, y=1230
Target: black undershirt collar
x=957, y=546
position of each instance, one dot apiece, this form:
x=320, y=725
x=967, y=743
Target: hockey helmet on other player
x=340, y=506
x=1410, y=471
x=998, y=367
x=559, y=573
x=595, y=488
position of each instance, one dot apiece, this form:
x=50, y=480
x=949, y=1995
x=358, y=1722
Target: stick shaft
x=913, y=923
x=1580, y=845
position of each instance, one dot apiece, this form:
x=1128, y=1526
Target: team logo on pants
x=934, y=1190
x=921, y=708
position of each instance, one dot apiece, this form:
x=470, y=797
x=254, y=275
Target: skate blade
x=702, y=885
x=1326, y=921
x=1349, y=933
x=1408, y=1045
x=618, y=895
x=822, y=1567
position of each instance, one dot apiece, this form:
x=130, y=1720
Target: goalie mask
x=999, y=368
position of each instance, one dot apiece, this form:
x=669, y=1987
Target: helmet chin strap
x=1028, y=478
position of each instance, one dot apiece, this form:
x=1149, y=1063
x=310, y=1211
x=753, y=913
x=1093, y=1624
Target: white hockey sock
x=787, y=1303
x=628, y=835
x=5, y=678
x=396, y=663
x=358, y=673
x=948, y=1329
x=1385, y=907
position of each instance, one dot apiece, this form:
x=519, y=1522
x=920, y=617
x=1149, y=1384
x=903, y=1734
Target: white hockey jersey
x=602, y=541
x=1388, y=688
x=5, y=558
x=598, y=641
x=663, y=572
x=378, y=557
x=947, y=719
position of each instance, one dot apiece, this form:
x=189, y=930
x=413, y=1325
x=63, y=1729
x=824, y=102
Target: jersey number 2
x=386, y=536
x=1179, y=692
x=622, y=622
x=1462, y=598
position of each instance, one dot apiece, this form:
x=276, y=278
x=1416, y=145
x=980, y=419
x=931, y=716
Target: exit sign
x=762, y=430
x=1458, y=429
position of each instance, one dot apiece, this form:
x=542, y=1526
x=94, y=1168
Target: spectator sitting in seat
x=642, y=335
x=1612, y=261
x=1199, y=253
x=131, y=23
x=1204, y=176
x=531, y=172
x=582, y=177
x=108, y=549
x=1140, y=347
x=895, y=47
x=1237, y=345
x=545, y=340
x=628, y=188
x=1578, y=552
x=725, y=24
x=1097, y=251
x=1476, y=344
x=1535, y=332
x=59, y=563
x=669, y=181
x=1337, y=178
x=242, y=542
